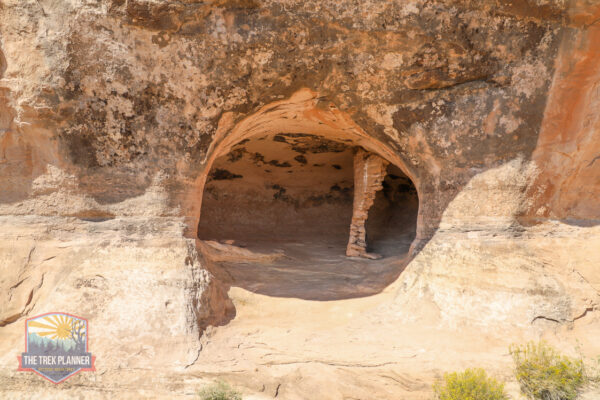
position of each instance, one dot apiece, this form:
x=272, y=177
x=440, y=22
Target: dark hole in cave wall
x=392, y=221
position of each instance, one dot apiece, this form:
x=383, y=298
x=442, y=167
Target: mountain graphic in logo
x=56, y=346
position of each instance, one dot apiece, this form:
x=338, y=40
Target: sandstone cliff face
x=567, y=147
x=453, y=88
x=113, y=113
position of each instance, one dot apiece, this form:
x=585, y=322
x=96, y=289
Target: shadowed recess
x=276, y=217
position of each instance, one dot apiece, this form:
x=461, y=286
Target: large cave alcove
x=276, y=215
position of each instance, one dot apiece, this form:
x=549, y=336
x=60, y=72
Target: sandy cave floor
x=315, y=269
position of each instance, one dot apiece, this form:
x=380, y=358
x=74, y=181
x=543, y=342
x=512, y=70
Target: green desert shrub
x=544, y=374
x=472, y=384
x=219, y=391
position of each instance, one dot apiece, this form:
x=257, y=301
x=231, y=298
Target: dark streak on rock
x=222, y=174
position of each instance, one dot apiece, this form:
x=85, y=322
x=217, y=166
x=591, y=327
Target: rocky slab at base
x=117, y=273
x=389, y=343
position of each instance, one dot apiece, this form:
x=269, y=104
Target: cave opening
x=277, y=212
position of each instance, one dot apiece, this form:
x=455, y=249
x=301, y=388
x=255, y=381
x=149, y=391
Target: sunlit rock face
x=169, y=170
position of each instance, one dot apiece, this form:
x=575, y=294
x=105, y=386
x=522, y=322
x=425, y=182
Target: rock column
x=369, y=172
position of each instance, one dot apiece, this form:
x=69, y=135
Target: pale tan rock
x=114, y=114
x=219, y=252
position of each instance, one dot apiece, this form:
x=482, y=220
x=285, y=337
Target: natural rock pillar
x=369, y=172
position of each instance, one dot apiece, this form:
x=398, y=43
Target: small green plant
x=472, y=384
x=544, y=374
x=219, y=391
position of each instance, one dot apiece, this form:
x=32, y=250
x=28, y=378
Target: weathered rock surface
x=369, y=173
x=116, y=116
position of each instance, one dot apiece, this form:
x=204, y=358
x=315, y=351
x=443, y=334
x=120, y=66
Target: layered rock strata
x=113, y=114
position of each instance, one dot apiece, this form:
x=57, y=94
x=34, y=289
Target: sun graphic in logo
x=56, y=326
